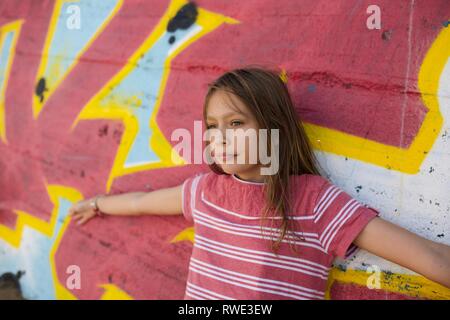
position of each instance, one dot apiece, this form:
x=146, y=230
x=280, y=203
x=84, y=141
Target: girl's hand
x=82, y=211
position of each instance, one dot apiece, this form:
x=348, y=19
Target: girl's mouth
x=225, y=157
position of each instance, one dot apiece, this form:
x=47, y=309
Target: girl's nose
x=220, y=138
x=222, y=132
x=227, y=138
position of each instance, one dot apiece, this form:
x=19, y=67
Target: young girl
x=268, y=236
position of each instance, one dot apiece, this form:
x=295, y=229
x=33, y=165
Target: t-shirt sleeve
x=190, y=190
x=339, y=219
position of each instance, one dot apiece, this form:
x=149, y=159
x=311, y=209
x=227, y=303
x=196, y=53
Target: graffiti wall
x=90, y=92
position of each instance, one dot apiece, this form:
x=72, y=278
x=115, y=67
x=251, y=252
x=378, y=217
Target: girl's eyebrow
x=227, y=115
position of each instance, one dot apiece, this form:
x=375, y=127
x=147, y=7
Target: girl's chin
x=234, y=168
x=231, y=168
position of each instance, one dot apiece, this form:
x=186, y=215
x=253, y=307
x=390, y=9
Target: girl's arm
x=165, y=201
x=391, y=242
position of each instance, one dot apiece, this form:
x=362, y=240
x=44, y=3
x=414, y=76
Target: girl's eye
x=236, y=123
x=210, y=126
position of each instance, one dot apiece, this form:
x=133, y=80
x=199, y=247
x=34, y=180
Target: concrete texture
x=91, y=110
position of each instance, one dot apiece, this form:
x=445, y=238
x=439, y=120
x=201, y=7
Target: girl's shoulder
x=206, y=181
x=308, y=182
x=305, y=189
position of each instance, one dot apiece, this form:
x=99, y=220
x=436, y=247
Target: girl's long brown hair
x=266, y=94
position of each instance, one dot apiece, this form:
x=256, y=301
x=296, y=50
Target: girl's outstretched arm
x=165, y=201
x=393, y=243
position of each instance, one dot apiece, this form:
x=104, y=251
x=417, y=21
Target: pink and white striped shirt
x=231, y=257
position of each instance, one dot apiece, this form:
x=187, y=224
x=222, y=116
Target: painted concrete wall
x=88, y=106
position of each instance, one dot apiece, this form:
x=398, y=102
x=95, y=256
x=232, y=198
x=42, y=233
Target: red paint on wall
x=341, y=76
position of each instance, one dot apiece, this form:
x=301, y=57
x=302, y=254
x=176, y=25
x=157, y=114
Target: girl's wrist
x=95, y=205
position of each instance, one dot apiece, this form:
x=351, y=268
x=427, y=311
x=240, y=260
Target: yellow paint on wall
x=208, y=21
x=185, y=235
x=113, y=292
x=390, y=157
x=283, y=76
x=57, y=80
x=410, y=285
x=14, y=236
x=14, y=27
x=56, y=192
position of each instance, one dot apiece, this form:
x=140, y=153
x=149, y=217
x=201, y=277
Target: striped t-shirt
x=231, y=256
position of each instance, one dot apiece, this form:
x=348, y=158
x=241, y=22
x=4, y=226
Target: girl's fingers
x=77, y=216
x=80, y=212
x=85, y=217
x=83, y=220
x=74, y=209
x=78, y=208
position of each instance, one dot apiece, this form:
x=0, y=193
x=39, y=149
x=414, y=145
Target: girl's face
x=236, y=153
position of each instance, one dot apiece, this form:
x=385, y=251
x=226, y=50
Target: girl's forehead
x=223, y=103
